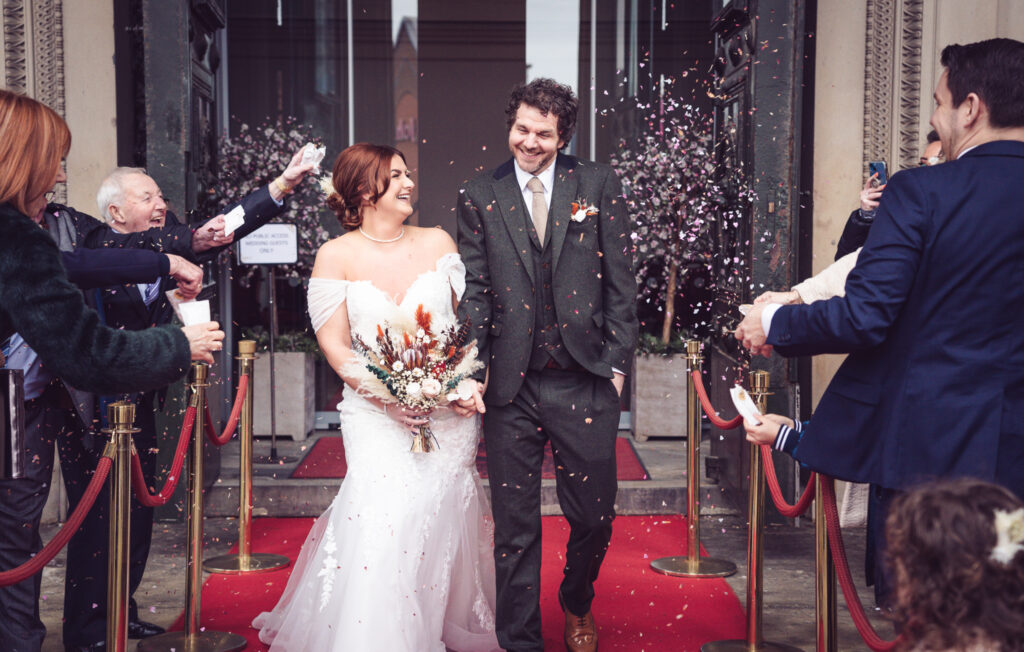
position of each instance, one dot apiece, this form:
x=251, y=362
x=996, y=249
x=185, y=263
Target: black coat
x=855, y=233
x=38, y=301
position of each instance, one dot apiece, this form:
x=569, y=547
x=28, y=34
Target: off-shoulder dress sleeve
x=325, y=296
x=452, y=266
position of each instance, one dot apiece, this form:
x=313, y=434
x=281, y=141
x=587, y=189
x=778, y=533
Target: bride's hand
x=409, y=418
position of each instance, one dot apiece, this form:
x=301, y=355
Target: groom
x=550, y=292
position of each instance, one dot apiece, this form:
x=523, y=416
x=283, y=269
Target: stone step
x=278, y=495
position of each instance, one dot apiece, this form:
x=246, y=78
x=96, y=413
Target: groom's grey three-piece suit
x=552, y=320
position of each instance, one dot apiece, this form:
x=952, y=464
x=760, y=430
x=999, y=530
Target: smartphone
x=878, y=167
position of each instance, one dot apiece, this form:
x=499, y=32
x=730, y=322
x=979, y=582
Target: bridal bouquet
x=412, y=366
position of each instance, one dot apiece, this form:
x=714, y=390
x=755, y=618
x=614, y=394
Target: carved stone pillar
x=892, y=83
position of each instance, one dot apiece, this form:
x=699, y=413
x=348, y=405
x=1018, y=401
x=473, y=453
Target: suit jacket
x=592, y=272
x=174, y=238
x=82, y=230
x=259, y=208
x=933, y=319
x=123, y=306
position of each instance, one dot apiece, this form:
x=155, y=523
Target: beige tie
x=539, y=211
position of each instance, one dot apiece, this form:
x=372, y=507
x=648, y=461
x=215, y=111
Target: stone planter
x=293, y=398
x=658, y=396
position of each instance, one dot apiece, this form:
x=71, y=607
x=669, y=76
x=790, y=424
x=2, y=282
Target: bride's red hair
x=363, y=168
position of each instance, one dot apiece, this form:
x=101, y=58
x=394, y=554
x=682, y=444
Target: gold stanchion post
x=754, y=641
x=824, y=577
x=192, y=639
x=120, y=416
x=245, y=561
x=692, y=564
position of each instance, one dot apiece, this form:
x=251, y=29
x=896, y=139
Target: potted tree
x=678, y=195
x=246, y=162
x=295, y=355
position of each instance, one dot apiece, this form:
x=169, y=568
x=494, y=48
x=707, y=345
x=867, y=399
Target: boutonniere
x=582, y=210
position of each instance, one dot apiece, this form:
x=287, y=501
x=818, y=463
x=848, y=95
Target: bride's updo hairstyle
x=361, y=169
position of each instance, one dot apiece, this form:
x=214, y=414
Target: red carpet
x=326, y=459
x=637, y=610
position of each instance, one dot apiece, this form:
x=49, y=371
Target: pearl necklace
x=373, y=239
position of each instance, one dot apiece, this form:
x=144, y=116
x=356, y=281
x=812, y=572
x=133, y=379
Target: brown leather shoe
x=580, y=632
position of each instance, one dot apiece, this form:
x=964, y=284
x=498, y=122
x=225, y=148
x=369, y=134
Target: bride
x=402, y=559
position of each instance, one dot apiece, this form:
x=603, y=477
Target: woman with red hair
x=402, y=559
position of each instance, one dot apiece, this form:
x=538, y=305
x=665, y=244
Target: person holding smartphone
x=933, y=385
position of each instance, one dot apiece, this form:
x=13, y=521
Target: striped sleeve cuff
x=788, y=438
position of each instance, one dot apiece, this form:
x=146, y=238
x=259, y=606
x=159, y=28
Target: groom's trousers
x=579, y=413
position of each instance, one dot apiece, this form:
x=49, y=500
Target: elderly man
x=932, y=319
x=131, y=202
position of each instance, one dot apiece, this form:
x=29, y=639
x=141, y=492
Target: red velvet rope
x=236, y=410
x=171, y=483
x=705, y=402
x=46, y=555
x=787, y=510
x=835, y=542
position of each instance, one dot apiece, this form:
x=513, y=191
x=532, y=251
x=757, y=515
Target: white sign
x=271, y=244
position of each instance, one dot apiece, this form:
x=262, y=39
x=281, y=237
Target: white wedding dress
x=402, y=560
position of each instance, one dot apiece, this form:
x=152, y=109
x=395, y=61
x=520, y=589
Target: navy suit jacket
x=933, y=320
x=93, y=268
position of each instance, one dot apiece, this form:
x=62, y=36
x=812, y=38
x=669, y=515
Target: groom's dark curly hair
x=548, y=96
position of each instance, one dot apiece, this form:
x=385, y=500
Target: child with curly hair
x=957, y=551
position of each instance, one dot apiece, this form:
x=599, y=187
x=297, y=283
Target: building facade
x=808, y=92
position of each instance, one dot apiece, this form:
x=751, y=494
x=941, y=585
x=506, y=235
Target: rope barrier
x=787, y=510
x=236, y=410
x=171, y=483
x=853, y=603
x=705, y=402
x=46, y=555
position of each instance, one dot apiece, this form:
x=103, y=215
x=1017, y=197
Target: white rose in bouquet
x=431, y=388
x=413, y=390
x=463, y=391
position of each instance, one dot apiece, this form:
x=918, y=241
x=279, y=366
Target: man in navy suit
x=933, y=317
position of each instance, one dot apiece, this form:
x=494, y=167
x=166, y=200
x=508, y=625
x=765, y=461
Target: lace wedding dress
x=402, y=560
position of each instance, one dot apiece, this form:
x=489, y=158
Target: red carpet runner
x=637, y=610
x=326, y=459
